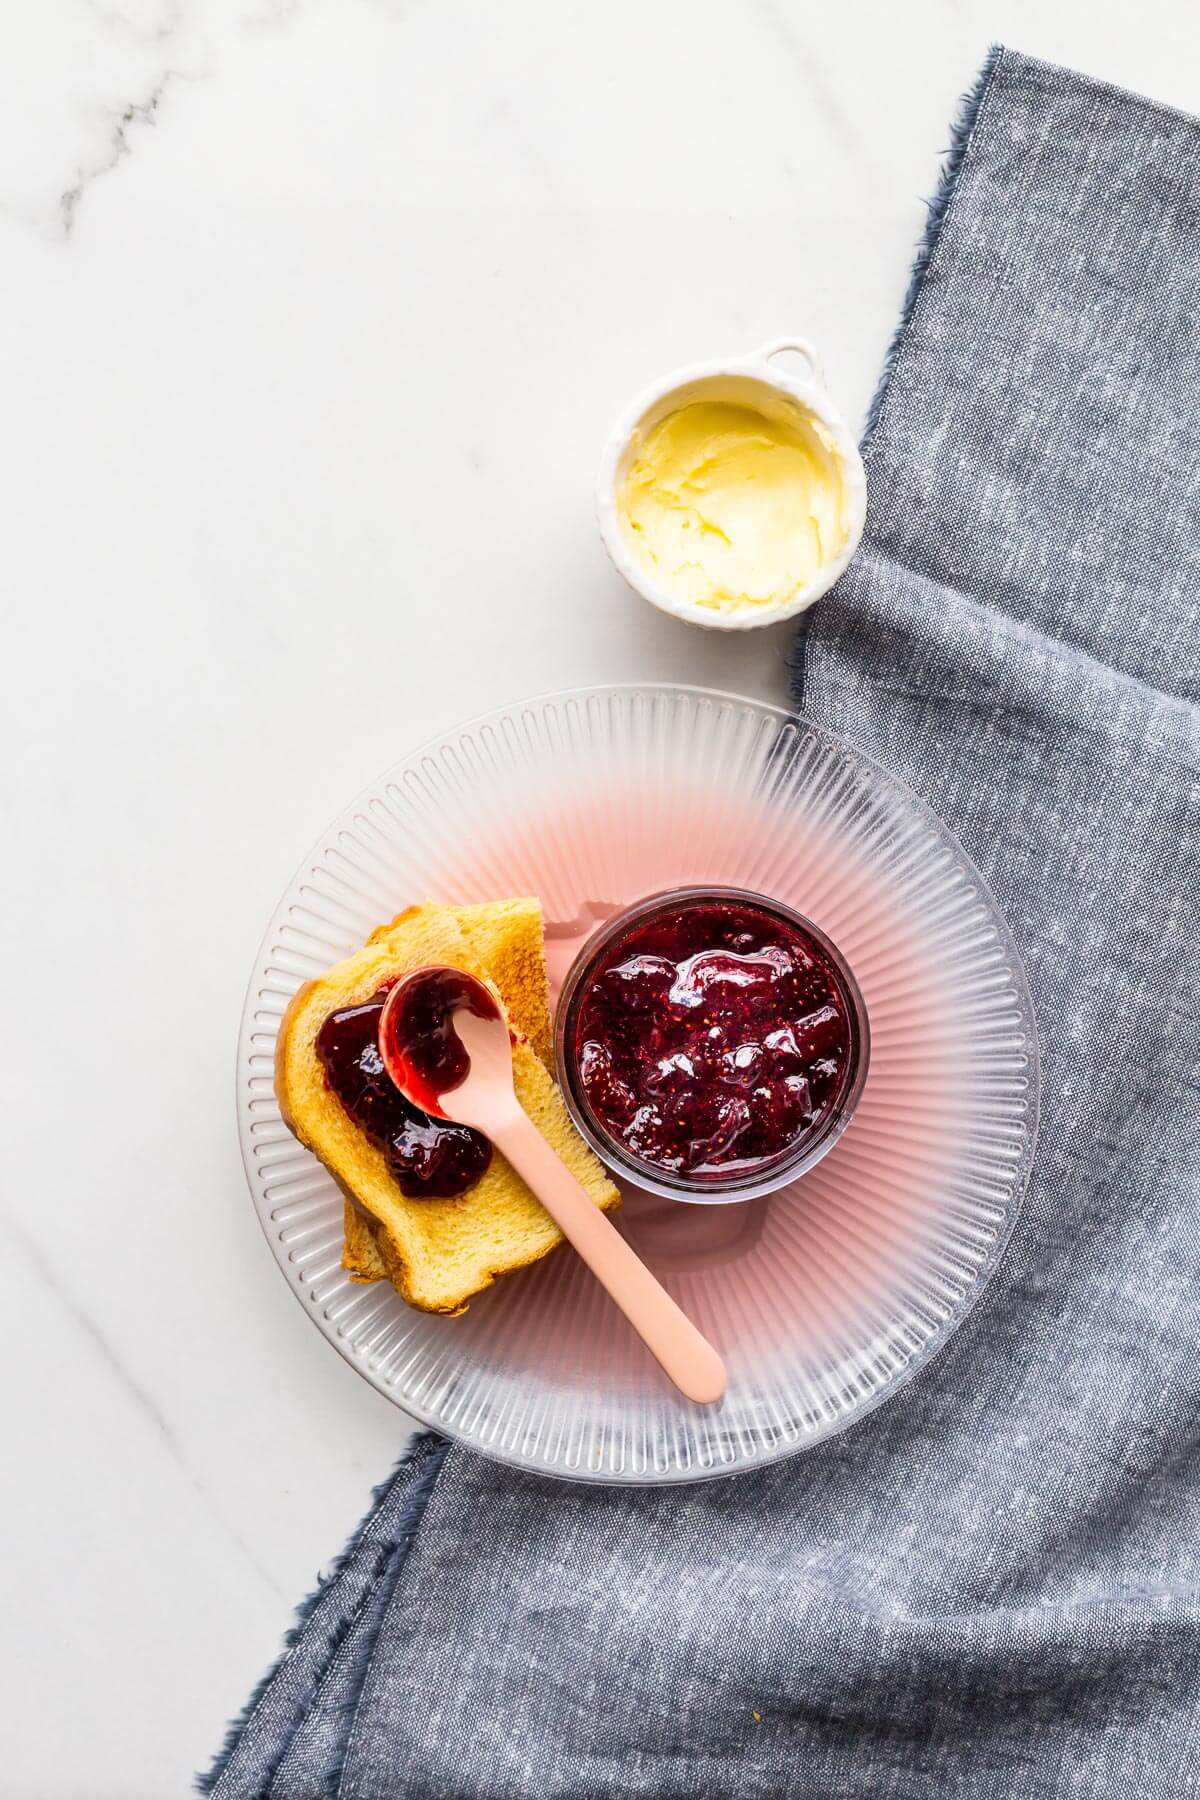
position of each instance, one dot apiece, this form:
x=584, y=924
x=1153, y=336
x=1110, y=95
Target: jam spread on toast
x=711, y=1039
x=430, y=1158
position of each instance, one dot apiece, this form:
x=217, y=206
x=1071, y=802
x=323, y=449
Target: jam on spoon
x=429, y=1157
x=711, y=1037
x=421, y=1051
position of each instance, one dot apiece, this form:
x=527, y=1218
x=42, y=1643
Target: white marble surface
x=315, y=316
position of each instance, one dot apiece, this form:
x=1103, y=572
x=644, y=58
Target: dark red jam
x=421, y=1050
x=711, y=1038
x=430, y=1158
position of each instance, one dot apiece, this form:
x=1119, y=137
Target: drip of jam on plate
x=430, y=1158
x=710, y=1038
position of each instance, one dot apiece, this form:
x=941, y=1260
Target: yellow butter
x=727, y=508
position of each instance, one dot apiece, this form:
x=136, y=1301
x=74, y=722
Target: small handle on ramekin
x=800, y=347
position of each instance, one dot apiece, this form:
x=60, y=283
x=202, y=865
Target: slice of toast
x=507, y=937
x=362, y=1258
x=437, y=1252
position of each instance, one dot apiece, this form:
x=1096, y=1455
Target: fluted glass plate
x=824, y=1297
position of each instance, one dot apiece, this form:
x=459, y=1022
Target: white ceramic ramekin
x=771, y=388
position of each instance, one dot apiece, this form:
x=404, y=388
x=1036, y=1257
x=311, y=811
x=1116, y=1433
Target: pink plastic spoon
x=446, y=1047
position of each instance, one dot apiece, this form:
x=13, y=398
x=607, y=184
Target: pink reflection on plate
x=820, y=1263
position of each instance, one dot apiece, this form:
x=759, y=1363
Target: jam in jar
x=711, y=1035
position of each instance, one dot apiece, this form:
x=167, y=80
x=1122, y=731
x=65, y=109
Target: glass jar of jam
x=712, y=1043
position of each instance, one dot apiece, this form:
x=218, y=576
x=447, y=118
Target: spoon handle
x=687, y=1357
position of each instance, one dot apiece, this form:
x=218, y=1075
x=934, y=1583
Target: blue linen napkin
x=989, y=1586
